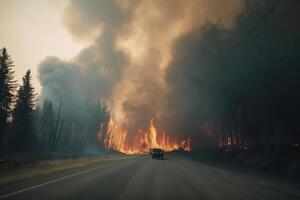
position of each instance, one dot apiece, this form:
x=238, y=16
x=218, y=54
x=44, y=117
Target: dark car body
x=157, y=153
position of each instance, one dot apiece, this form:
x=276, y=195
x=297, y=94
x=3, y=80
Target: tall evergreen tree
x=47, y=124
x=7, y=89
x=24, y=113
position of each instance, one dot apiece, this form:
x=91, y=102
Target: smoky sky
x=142, y=62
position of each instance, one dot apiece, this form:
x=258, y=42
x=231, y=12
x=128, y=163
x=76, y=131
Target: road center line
x=59, y=179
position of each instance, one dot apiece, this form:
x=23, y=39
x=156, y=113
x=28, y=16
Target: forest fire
x=116, y=139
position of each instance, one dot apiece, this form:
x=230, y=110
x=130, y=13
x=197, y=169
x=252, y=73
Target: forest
x=262, y=95
x=27, y=126
x=249, y=74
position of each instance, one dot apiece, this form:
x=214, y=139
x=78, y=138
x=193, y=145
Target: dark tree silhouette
x=45, y=124
x=23, y=114
x=262, y=96
x=7, y=88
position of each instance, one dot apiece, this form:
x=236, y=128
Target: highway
x=140, y=177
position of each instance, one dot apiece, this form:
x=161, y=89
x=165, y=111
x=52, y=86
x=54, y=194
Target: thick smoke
x=58, y=77
x=141, y=61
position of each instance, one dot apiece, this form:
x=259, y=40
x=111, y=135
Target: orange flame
x=116, y=138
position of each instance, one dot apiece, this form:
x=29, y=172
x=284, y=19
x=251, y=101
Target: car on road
x=157, y=153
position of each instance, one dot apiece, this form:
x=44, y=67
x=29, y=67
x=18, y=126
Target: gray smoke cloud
x=92, y=74
x=195, y=83
x=58, y=77
x=142, y=61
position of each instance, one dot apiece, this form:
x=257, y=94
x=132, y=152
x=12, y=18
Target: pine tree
x=7, y=89
x=47, y=124
x=24, y=114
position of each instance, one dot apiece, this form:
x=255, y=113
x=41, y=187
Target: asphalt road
x=141, y=177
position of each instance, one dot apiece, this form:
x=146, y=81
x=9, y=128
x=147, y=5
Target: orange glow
x=116, y=139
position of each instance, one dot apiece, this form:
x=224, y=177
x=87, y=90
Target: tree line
x=27, y=127
x=255, y=81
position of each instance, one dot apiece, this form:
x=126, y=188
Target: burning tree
x=116, y=138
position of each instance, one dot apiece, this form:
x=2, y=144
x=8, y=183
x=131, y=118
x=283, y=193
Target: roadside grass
x=51, y=166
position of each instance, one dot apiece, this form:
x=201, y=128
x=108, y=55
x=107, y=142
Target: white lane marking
x=54, y=181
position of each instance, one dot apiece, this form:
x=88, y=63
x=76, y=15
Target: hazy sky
x=34, y=29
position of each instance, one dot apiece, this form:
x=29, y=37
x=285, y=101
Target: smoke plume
x=142, y=61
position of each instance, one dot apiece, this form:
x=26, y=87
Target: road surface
x=141, y=177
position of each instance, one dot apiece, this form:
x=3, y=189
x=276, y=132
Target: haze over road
x=141, y=177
